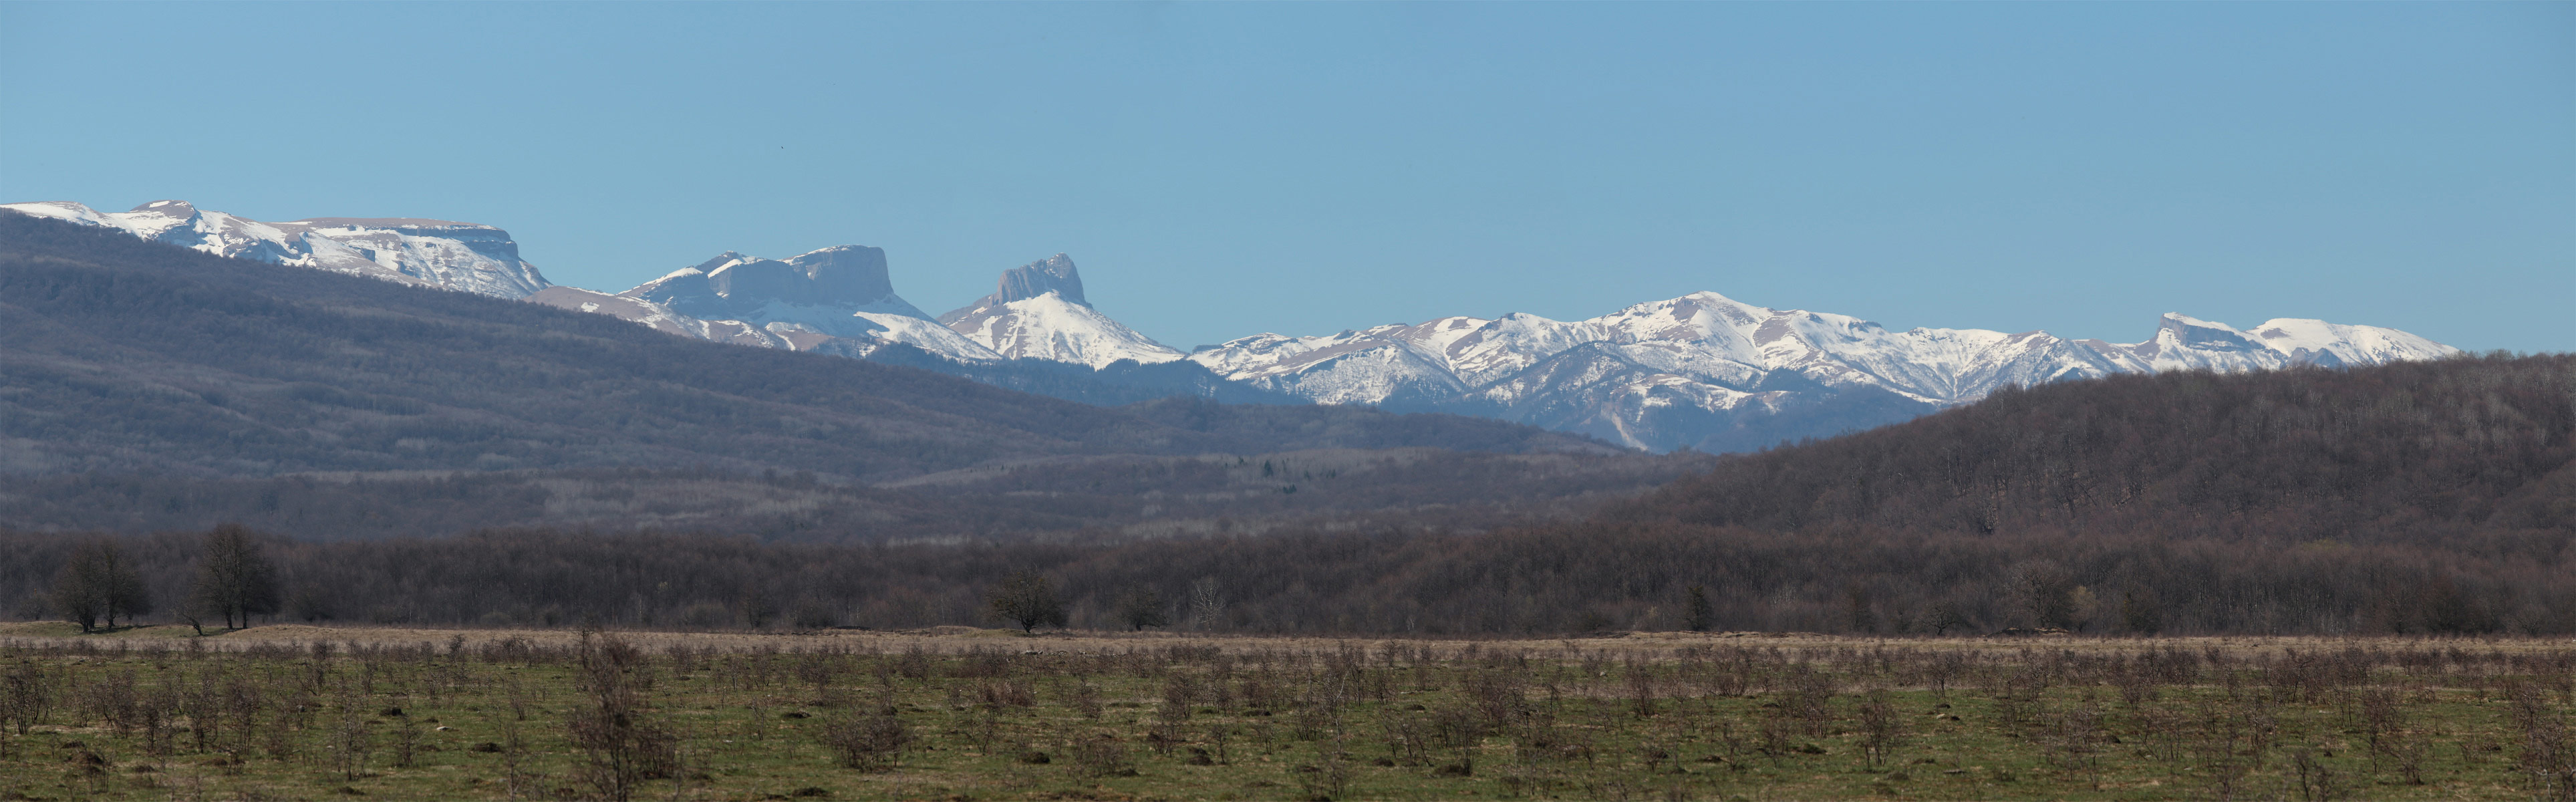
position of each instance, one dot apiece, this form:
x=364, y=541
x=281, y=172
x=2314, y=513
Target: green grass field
x=347, y=714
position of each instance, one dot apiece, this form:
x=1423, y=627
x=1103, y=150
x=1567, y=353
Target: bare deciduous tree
x=1025, y=598
x=234, y=580
x=1141, y=607
x=97, y=582
x=622, y=743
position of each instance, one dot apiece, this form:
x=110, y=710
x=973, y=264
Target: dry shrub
x=868, y=742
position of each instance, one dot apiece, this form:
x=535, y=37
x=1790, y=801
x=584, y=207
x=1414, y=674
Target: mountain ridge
x=1701, y=356
x=130, y=355
x=1700, y=371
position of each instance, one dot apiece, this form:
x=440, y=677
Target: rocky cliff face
x=1054, y=274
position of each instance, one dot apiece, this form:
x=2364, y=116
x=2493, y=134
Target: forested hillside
x=129, y=356
x=2407, y=498
x=1090, y=497
x=2406, y=452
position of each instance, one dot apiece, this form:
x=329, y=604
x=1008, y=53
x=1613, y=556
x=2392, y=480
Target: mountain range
x=1701, y=371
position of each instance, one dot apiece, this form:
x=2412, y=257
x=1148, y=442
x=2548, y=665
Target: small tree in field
x=1141, y=607
x=1025, y=598
x=1698, y=615
x=622, y=742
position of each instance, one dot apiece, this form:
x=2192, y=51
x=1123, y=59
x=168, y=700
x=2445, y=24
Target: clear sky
x=1219, y=170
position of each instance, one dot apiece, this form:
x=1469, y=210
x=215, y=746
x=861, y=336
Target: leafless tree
x=234, y=580
x=1026, y=598
x=98, y=582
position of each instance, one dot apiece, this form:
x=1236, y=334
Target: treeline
x=1404, y=580
x=1071, y=496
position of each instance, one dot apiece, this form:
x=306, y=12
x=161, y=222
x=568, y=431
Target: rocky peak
x=1053, y=274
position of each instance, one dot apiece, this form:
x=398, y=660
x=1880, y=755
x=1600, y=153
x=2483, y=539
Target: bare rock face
x=1053, y=274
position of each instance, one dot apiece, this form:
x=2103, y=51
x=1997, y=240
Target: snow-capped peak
x=1037, y=311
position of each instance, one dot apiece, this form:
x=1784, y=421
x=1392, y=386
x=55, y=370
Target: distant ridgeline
x=1701, y=371
x=147, y=387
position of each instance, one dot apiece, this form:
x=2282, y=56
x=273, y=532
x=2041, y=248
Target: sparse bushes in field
x=1101, y=756
x=2226, y=722
x=868, y=742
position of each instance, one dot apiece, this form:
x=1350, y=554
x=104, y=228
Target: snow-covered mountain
x=433, y=253
x=838, y=292
x=1699, y=369
x=1037, y=311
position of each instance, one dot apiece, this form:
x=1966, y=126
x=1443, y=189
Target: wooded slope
x=2401, y=452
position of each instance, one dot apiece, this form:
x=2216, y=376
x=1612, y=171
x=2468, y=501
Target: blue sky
x=1223, y=169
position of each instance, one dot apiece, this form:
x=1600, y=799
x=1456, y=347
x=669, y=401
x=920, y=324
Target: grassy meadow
x=293, y=712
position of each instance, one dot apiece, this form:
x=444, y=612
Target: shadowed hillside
x=2406, y=498
x=2401, y=452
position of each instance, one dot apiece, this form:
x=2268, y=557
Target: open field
x=309, y=712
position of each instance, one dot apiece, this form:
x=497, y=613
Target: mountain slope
x=122, y=354
x=2407, y=451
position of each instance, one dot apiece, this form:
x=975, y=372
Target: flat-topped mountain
x=433, y=253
